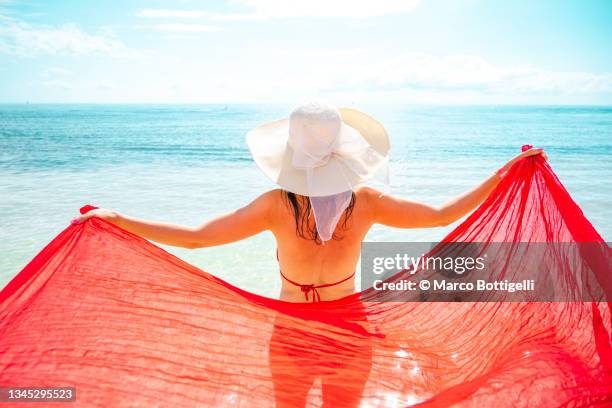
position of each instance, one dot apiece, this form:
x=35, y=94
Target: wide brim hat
x=348, y=166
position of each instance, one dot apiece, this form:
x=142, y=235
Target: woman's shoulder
x=366, y=200
x=272, y=198
x=367, y=192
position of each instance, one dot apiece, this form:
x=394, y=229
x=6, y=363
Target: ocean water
x=187, y=163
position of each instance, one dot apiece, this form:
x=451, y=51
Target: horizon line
x=289, y=103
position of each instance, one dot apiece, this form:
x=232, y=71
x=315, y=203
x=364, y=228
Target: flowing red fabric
x=129, y=324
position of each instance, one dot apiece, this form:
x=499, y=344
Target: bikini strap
x=306, y=289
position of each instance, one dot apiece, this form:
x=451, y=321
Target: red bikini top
x=306, y=289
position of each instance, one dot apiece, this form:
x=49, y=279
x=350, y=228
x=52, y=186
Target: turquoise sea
x=187, y=163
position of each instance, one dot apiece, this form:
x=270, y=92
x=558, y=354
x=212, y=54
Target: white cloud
x=327, y=8
x=58, y=84
x=270, y=9
x=24, y=39
x=163, y=13
x=189, y=28
x=105, y=87
x=464, y=72
x=53, y=72
x=343, y=76
x=360, y=74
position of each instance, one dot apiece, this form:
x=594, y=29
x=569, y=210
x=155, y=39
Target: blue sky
x=406, y=51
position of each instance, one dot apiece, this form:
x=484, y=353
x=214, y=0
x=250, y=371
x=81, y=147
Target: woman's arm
x=400, y=213
x=234, y=226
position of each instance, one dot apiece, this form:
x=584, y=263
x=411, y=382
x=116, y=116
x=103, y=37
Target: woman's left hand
x=108, y=215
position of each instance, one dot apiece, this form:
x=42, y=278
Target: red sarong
x=129, y=324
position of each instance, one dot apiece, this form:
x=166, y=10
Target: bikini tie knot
x=306, y=289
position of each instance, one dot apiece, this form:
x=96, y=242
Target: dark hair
x=302, y=210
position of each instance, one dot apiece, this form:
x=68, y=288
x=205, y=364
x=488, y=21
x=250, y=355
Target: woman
x=321, y=158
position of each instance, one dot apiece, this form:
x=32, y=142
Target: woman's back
x=304, y=261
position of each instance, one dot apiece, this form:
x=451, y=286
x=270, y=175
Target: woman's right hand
x=108, y=215
x=529, y=152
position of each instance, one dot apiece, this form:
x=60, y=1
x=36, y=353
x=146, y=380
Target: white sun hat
x=324, y=153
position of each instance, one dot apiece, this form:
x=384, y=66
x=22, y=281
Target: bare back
x=304, y=261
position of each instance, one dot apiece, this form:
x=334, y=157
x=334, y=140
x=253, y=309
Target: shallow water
x=186, y=163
